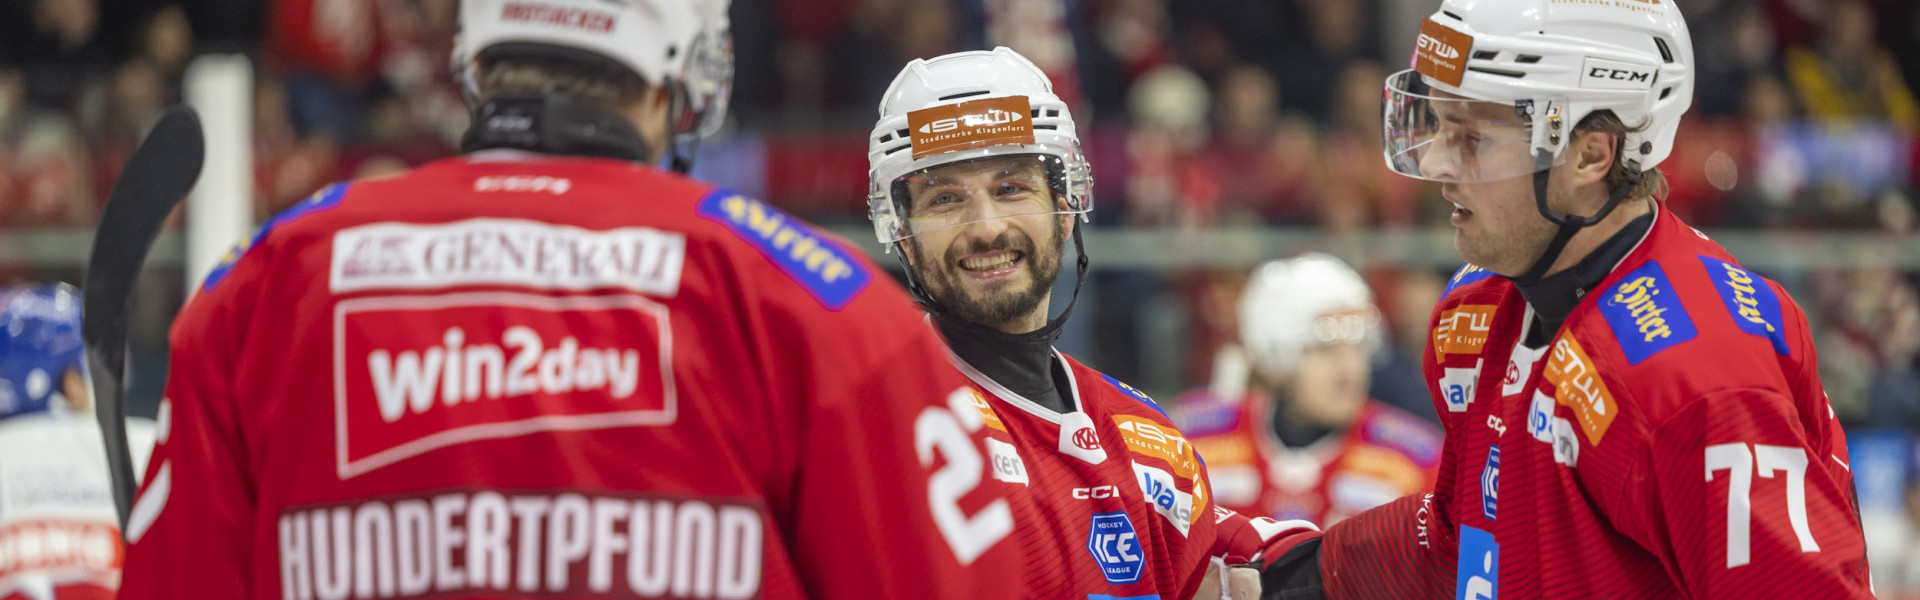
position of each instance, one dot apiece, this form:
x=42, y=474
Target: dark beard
x=998, y=306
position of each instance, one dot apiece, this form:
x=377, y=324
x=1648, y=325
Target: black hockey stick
x=160, y=173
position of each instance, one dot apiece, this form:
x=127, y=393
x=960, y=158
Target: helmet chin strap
x=1569, y=224
x=1046, y=333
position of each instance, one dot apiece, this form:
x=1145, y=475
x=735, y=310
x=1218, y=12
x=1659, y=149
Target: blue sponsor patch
x=1490, y=482
x=1128, y=390
x=1479, y=571
x=821, y=265
x=1753, y=304
x=1645, y=314
x=1467, y=274
x=1417, y=439
x=324, y=199
x=1116, y=548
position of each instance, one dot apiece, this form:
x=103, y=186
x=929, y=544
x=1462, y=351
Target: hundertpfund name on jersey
x=416, y=373
x=480, y=543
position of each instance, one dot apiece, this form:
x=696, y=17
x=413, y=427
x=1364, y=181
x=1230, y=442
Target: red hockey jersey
x=1383, y=455
x=1672, y=440
x=1115, y=503
x=512, y=376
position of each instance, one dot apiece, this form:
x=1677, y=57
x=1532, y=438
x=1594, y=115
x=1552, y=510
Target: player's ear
x=1592, y=156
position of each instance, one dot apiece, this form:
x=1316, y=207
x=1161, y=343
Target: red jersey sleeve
x=897, y=498
x=190, y=532
x=1740, y=500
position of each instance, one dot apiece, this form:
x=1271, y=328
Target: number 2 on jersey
x=944, y=429
x=1740, y=462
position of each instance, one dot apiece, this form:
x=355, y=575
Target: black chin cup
x=1569, y=224
x=553, y=124
x=1047, y=333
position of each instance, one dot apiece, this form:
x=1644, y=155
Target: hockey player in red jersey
x=1306, y=442
x=549, y=369
x=1629, y=412
x=978, y=182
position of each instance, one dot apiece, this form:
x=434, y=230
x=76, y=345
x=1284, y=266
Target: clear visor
x=973, y=191
x=1438, y=136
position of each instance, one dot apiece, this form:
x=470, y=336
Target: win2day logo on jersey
x=416, y=373
x=1115, y=547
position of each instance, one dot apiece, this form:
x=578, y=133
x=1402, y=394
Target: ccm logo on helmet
x=1614, y=75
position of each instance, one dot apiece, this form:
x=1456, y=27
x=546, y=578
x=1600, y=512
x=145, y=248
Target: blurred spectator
x=1169, y=182
x=53, y=176
x=1849, y=75
x=1870, y=336
x=1734, y=43
x=1334, y=33
x=55, y=45
x=1359, y=191
x=882, y=36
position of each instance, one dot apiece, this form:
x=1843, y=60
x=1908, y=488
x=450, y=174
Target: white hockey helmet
x=1294, y=304
x=970, y=106
x=685, y=45
x=1497, y=85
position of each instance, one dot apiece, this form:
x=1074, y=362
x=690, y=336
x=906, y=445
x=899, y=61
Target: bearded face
x=991, y=240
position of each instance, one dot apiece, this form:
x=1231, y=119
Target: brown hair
x=607, y=86
x=1652, y=182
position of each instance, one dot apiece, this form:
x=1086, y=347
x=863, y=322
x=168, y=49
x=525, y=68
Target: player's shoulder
x=1386, y=426
x=1471, y=281
x=1112, y=394
x=1201, y=413
x=829, y=269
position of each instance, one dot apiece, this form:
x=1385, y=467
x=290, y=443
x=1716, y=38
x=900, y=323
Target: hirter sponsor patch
x=1467, y=275
x=819, y=264
x=326, y=198
x=1752, y=303
x=1645, y=314
x=417, y=373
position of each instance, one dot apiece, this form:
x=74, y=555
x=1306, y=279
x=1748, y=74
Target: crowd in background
x=1197, y=114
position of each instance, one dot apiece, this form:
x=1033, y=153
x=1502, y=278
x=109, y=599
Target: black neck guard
x=1554, y=297
x=1024, y=364
x=553, y=124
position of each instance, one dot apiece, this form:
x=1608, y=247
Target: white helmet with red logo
x=1297, y=303
x=962, y=107
x=1520, y=74
x=684, y=45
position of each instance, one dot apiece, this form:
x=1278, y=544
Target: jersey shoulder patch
x=326, y=198
x=1394, y=429
x=1467, y=275
x=1645, y=312
x=1201, y=413
x=1134, y=393
x=1750, y=300
x=819, y=263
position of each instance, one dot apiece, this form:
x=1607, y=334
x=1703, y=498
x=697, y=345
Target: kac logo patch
x=1645, y=314
x=1490, y=482
x=1754, y=306
x=1116, y=548
x=1479, y=571
x=816, y=262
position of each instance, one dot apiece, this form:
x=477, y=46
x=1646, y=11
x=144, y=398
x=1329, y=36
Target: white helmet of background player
x=1521, y=74
x=1294, y=304
x=963, y=107
x=683, y=45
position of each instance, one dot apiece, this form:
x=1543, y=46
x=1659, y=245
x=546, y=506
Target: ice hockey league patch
x=819, y=264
